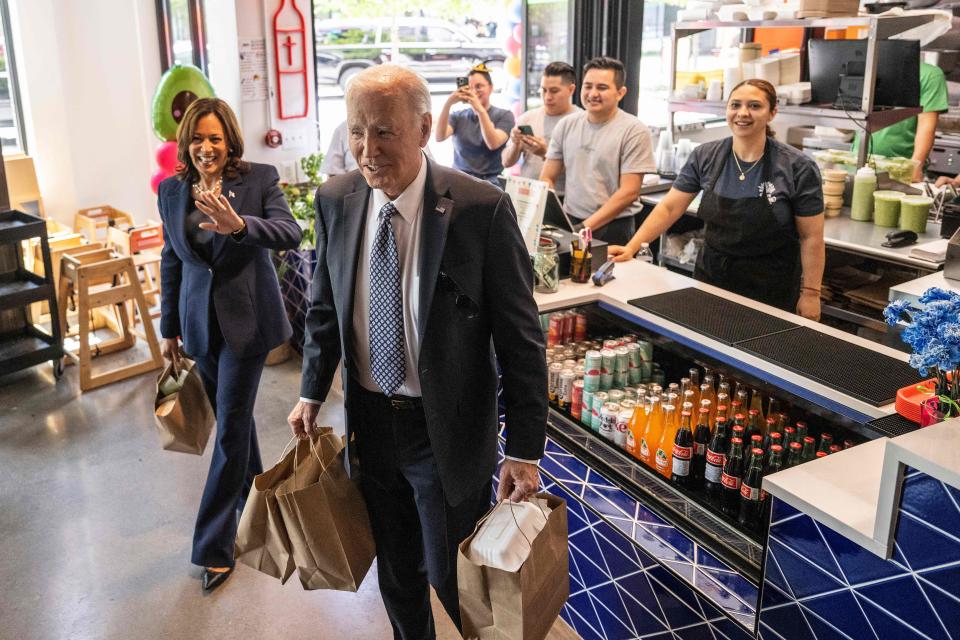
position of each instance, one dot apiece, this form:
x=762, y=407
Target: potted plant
x=295, y=267
x=933, y=333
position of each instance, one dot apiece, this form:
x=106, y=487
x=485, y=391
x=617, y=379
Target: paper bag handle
x=313, y=448
x=286, y=448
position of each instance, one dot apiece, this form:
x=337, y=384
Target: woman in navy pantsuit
x=221, y=217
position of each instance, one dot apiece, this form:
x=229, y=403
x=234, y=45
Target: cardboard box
x=831, y=8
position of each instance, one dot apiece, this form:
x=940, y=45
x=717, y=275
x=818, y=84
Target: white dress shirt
x=406, y=229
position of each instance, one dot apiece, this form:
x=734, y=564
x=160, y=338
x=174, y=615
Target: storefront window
x=11, y=114
x=182, y=33
x=548, y=25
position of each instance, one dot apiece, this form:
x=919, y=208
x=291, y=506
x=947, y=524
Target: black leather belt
x=395, y=402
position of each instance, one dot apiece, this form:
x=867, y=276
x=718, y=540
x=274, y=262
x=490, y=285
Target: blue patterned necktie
x=387, y=363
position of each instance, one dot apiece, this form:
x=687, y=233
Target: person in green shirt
x=913, y=137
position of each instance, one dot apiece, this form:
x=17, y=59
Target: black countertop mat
x=713, y=316
x=851, y=369
x=893, y=425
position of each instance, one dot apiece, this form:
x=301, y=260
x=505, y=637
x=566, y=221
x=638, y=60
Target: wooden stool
x=100, y=278
x=94, y=221
x=142, y=243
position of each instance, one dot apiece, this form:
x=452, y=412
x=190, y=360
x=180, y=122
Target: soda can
x=593, y=361
x=629, y=393
x=569, y=363
x=576, y=400
x=569, y=353
x=555, y=329
x=628, y=403
x=629, y=339
x=581, y=350
x=634, y=363
x=622, y=362
x=569, y=324
x=599, y=399
x=658, y=377
x=606, y=381
x=616, y=382
x=608, y=361
x=611, y=343
x=586, y=408
x=565, y=393
x=591, y=382
x=580, y=371
x=579, y=326
x=646, y=350
x=608, y=420
x=615, y=395
x=622, y=426
x=553, y=381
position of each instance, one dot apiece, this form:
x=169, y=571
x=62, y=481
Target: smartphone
x=526, y=129
x=463, y=81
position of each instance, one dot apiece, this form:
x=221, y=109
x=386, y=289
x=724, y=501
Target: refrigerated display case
x=648, y=556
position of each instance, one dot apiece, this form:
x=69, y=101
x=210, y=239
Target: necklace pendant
x=742, y=177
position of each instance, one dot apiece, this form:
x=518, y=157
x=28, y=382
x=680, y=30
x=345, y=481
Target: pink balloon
x=518, y=32
x=159, y=176
x=167, y=157
x=512, y=47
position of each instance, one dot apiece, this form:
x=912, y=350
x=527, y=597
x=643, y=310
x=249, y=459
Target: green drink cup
x=913, y=213
x=886, y=208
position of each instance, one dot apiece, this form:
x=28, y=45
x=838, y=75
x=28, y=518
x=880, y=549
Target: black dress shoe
x=213, y=579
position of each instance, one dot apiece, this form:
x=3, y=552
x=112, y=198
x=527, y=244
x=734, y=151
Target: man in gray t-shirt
x=557, y=85
x=604, y=152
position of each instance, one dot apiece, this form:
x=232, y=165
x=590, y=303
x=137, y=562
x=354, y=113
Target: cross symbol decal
x=289, y=44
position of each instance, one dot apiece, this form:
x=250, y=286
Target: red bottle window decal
x=290, y=54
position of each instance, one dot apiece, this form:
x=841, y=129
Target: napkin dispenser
x=951, y=268
x=598, y=249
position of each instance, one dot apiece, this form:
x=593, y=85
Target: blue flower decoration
x=933, y=332
x=895, y=310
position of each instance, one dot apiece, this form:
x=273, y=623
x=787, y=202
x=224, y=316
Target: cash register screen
x=554, y=215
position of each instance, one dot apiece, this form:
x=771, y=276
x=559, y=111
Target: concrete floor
x=96, y=522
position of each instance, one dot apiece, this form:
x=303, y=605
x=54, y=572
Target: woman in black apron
x=763, y=239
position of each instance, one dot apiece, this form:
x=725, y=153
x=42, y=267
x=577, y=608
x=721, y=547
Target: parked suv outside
x=437, y=50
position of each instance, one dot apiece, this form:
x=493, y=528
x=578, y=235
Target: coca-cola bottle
x=750, y=502
x=682, y=452
x=701, y=440
x=731, y=477
x=715, y=459
x=793, y=457
x=801, y=431
x=826, y=440
x=809, y=452
x=722, y=408
x=789, y=435
x=756, y=442
x=775, y=459
x=834, y=448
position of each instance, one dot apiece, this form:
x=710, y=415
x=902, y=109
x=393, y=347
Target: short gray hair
x=392, y=79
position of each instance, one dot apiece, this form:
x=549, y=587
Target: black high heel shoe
x=213, y=579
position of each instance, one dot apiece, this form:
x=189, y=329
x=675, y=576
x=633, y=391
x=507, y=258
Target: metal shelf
x=20, y=288
x=887, y=26
x=825, y=116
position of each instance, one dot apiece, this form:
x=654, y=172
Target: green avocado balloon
x=179, y=86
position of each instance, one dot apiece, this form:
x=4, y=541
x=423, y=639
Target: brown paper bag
x=184, y=418
x=326, y=519
x=521, y=605
x=262, y=540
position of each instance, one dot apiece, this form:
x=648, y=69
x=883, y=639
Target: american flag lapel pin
x=441, y=209
x=231, y=194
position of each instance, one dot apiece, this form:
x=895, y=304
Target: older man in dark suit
x=422, y=276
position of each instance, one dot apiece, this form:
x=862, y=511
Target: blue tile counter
x=632, y=574
x=833, y=570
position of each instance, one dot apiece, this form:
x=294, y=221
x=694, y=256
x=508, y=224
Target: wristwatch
x=240, y=233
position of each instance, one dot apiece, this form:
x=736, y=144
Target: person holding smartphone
x=480, y=132
x=530, y=139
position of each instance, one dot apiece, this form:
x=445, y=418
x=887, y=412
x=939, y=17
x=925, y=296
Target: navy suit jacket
x=476, y=297
x=240, y=281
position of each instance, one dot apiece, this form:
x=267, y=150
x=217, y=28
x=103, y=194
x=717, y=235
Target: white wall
x=87, y=71
x=256, y=118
